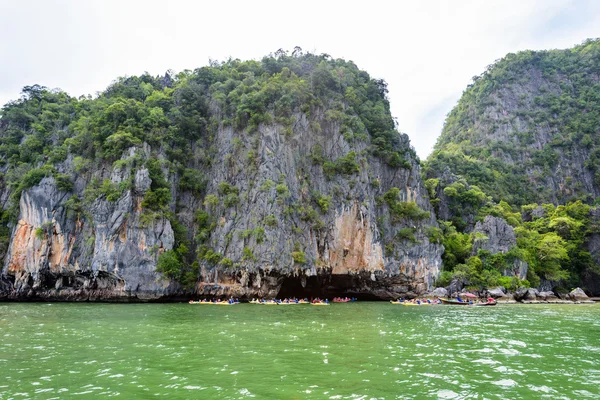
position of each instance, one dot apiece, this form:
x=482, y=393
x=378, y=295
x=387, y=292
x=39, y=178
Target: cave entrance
x=324, y=287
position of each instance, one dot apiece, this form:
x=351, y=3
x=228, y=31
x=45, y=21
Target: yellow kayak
x=224, y=303
x=303, y=302
x=395, y=302
x=200, y=302
x=416, y=304
x=270, y=303
x=319, y=304
x=254, y=302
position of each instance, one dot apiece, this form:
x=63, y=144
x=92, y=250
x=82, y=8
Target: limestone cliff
x=521, y=150
x=279, y=177
x=57, y=253
x=527, y=129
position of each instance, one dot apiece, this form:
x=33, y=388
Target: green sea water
x=344, y=351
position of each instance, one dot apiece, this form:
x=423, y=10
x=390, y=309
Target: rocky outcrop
x=57, y=254
x=496, y=292
x=508, y=133
x=534, y=296
x=578, y=295
x=548, y=297
x=455, y=286
x=529, y=296
x=275, y=236
x=348, y=249
x=508, y=298
x=501, y=295
x=496, y=236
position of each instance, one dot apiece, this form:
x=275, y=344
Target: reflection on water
x=345, y=351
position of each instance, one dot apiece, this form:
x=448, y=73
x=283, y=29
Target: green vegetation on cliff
x=550, y=239
x=524, y=138
x=157, y=138
x=527, y=129
x=45, y=126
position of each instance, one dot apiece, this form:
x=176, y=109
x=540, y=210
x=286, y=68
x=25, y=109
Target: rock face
x=578, y=295
x=496, y=292
x=54, y=254
x=271, y=235
x=350, y=251
x=499, y=236
x=548, y=296
x=496, y=236
x=455, y=286
x=524, y=132
x=507, y=134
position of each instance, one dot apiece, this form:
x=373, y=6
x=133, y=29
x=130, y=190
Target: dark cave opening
x=325, y=287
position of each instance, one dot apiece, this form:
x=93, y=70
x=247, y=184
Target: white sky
x=427, y=51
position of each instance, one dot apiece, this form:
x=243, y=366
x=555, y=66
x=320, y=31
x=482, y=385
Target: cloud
x=426, y=50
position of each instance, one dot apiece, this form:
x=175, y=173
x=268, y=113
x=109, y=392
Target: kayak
x=454, y=302
x=319, y=304
x=200, y=302
x=303, y=302
x=489, y=303
x=270, y=303
x=415, y=304
x=396, y=302
x=223, y=303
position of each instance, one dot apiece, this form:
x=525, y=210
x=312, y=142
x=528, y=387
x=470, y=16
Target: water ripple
x=351, y=351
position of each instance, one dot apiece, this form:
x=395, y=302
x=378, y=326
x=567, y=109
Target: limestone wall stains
x=26, y=251
x=353, y=248
x=56, y=254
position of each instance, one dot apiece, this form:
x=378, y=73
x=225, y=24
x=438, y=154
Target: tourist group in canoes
x=469, y=301
x=314, y=301
x=230, y=301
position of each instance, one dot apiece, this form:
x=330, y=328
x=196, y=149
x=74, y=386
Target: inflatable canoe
x=319, y=304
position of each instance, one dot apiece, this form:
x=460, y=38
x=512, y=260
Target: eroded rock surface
x=108, y=249
x=496, y=236
x=55, y=254
x=578, y=294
